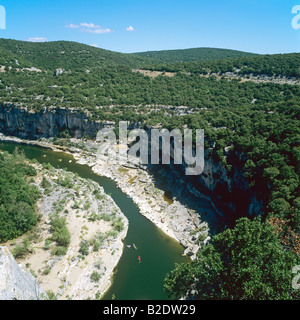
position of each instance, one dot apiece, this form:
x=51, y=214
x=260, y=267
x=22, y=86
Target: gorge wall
x=229, y=192
x=25, y=124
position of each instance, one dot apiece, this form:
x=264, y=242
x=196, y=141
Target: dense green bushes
x=60, y=234
x=244, y=263
x=17, y=196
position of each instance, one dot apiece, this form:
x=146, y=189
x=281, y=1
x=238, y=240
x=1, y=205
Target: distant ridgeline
x=277, y=65
x=258, y=123
x=193, y=54
x=62, y=54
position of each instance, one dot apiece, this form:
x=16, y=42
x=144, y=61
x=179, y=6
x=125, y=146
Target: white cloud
x=37, y=39
x=89, y=27
x=130, y=28
x=72, y=26
x=95, y=45
x=97, y=31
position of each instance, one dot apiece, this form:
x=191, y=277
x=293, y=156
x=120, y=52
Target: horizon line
x=145, y=51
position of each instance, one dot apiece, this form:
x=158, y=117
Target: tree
x=280, y=206
x=247, y=262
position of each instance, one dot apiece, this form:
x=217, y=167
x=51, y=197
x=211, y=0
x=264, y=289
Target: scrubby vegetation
x=22, y=249
x=60, y=234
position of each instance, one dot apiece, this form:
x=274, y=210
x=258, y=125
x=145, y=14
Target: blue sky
x=261, y=26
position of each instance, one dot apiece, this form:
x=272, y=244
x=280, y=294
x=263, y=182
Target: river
x=158, y=252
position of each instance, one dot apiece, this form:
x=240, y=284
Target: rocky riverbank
x=177, y=220
x=172, y=217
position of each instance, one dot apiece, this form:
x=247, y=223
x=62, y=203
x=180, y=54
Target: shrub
x=118, y=224
x=95, y=276
x=84, y=248
x=60, y=234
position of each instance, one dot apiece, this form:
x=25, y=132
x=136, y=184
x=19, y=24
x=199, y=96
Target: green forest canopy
x=244, y=263
x=193, y=54
x=270, y=65
x=62, y=54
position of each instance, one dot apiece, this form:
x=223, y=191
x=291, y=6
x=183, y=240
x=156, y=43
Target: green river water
x=159, y=253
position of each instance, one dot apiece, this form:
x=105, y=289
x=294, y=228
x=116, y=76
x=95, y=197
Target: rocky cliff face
x=229, y=191
x=230, y=194
x=27, y=125
x=16, y=283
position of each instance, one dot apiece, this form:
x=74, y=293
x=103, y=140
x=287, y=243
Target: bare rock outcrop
x=15, y=282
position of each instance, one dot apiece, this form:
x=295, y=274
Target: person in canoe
x=139, y=259
x=134, y=246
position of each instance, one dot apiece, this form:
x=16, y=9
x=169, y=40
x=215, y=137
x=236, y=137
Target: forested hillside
x=270, y=65
x=193, y=54
x=62, y=54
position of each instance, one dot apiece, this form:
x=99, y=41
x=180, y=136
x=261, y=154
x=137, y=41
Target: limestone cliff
x=46, y=123
x=15, y=282
x=229, y=193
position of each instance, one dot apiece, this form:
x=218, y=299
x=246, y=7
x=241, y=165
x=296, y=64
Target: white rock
x=15, y=282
